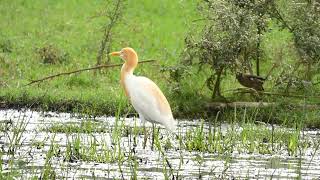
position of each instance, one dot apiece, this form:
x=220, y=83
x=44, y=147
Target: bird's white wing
x=148, y=100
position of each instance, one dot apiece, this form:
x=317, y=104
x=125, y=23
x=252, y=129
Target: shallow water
x=29, y=160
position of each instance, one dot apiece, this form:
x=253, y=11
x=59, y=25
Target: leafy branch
x=113, y=14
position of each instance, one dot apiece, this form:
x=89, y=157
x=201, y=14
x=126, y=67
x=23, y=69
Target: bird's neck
x=126, y=71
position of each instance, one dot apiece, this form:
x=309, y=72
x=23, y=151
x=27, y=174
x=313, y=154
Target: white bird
x=145, y=96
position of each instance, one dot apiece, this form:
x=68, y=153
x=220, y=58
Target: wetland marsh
x=62, y=145
x=81, y=126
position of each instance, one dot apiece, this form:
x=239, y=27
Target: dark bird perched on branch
x=251, y=81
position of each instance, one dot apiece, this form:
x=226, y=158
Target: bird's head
x=128, y=55
x=238, y=75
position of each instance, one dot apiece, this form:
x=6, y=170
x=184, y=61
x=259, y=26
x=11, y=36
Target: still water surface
x=30, y=159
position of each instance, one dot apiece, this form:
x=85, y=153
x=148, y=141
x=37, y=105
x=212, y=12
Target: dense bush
x=230, y=40
x=302, y=19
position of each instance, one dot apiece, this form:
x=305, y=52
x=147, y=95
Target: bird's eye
x=121, y=54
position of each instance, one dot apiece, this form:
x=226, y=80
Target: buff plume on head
x=128, y=55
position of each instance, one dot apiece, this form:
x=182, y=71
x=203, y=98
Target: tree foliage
x=302, y=19
x=230, y=40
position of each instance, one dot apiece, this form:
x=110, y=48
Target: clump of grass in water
x=18, y=128
x=91, y=150
x=247, y=138
x=12, y=132
x=131, y=157
x=88, y=148
x=38, y=144
x=48, y=171
x=195, y=139
x=87, y=126
x=165, y=160
x=126, y=131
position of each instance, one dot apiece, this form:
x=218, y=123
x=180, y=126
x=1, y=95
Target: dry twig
x=80, y=70
x=223, y=105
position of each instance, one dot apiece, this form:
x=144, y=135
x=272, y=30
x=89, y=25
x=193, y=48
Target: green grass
x=252, y=139
x=156, y=30
x=90, y=150
x=88, y=126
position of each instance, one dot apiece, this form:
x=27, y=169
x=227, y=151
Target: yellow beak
x=115, y=54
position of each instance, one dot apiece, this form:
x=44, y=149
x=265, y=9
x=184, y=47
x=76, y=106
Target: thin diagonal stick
x=80, y=70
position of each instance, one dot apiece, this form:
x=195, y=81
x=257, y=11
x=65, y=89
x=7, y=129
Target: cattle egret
x=145, y=96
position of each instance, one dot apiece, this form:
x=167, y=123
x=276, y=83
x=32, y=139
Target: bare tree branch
x=249, y=90
x=223, y=105
x=81, y=70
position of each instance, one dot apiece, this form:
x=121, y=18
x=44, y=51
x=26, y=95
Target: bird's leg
x=145, y=136
x=152, y=143
x=144, y=131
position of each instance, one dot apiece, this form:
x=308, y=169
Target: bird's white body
x=148, y=101
x=145, y=96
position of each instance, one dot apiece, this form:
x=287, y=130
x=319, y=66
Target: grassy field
x=156, y=36
x=73, y=31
